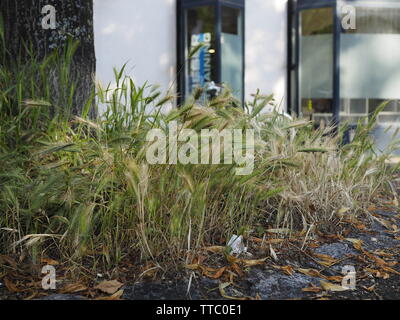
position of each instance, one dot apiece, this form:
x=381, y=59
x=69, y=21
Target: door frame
x=295, y=8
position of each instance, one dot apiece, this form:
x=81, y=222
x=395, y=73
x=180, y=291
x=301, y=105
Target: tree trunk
x=74, y=19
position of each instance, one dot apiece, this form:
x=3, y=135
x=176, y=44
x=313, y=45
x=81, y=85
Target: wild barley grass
x=77, y=187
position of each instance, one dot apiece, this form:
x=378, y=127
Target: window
x=316, y=63
x=202, y=67
x=219, y=26
x=344, y=74
x=370, y=60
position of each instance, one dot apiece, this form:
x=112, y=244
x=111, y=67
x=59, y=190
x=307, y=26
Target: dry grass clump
x=83, y=188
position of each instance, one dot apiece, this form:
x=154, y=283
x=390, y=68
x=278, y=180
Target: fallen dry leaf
x=327, y=286
x=314, y=244
x=247, y=263
x=235, y=267
x=11, y=286
x=377, y=273
x=219, y=273
x=371, y=288
x=357, y=243
x=50, y=262
x=325, y=263
x=232, y=259
x=207, y=271
x=109, y=287
x=222, y=287
x=311, y=272
x=392, y=263
x=385, y=276
x=370, y=270
x=216, y=275
x=383, y=253
x=335, y=278
x=326, y=260
x=252, y=263
x=115, y=296
x=118, y=294
x=377, y=260
x=286, y=269
x=73, y=288
x=313, y=289
x=388, y=269
x=267, y=241
x=195, y=266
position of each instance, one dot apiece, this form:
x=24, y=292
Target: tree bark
x=74, y=19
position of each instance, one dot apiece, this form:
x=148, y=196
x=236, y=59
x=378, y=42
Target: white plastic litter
x=237, y=245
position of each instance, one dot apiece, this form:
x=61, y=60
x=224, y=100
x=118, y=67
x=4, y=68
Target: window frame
x=293, y=62
x=182, y=6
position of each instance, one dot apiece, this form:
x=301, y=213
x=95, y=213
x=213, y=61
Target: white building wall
x=266, y=34
x=143, y=33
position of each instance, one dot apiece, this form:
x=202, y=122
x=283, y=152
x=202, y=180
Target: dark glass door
x=218, y=26
x=316, y=63
x=201, y=67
